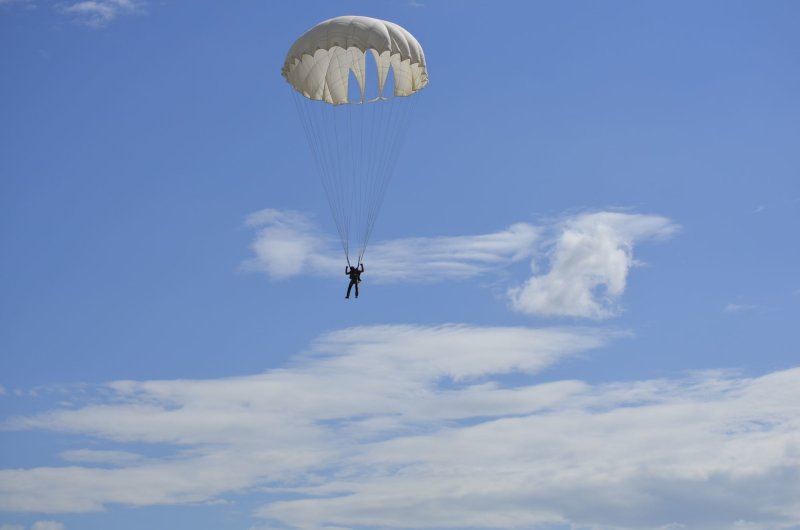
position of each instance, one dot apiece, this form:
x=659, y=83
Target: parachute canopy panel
x=320, y=62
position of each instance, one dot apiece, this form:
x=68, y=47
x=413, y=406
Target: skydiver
x=355, y=277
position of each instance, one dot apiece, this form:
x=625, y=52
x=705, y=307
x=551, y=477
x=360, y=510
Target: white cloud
x=288, y=244
x=25, y=3
x=92, y=456
x=589, y=264
x=3, y=390
x=739, y=308
x=589, y=256
x=11, y=526
x=417, y=427
x=47, y=525
x=98, y=13
x=379, y=374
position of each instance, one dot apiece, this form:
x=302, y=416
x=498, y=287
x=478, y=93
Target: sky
x=580, y=303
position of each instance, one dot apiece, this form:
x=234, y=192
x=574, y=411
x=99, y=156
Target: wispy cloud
x=47, y=525
x=98, y=13
x=364, y=383
x=589, y=257
x=93, y=456
x=18, y=3
x=38, y=525
x=289, y=244
x=416, y=427
x=739, y=308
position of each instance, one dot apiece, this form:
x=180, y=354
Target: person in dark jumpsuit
x=355, y=277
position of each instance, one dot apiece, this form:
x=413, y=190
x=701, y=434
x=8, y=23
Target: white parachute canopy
x=351, y=77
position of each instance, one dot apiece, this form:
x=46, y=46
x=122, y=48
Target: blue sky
x=581, y=296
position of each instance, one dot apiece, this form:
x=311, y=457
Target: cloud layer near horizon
x=580, y=263
x=419, y=427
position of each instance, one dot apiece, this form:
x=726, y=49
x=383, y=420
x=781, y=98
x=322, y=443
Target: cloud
x=739, y=308
x=98, y=13
x=288, y=244
x=3, y=390
x=47, y=525
x=420, y=427
x=38, y=525
x=369, y=381
x=23, y=3
x=589, y=257
x=90, y=456
x=589, y=263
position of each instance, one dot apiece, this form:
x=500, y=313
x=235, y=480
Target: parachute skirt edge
x=325, y=75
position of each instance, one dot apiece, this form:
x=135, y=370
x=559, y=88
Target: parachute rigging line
x=355, y=155
x=355, y=158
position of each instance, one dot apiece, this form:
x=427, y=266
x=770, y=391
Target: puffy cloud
x=287, y=244
x=419, y=427
x=98, y=13
x=590, y=258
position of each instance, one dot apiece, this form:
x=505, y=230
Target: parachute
x=351, y=78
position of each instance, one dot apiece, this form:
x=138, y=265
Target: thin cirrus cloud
x=418, y=427
x=589, y=257
x=288, y=244
x=739, y=308
x=38, y=525
x=98, y=13
x=24, y=3
x=47, y=525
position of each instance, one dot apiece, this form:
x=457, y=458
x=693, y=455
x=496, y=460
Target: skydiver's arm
x=362, y=267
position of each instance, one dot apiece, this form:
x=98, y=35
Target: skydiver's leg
x=356, y=284
x=350, y=287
